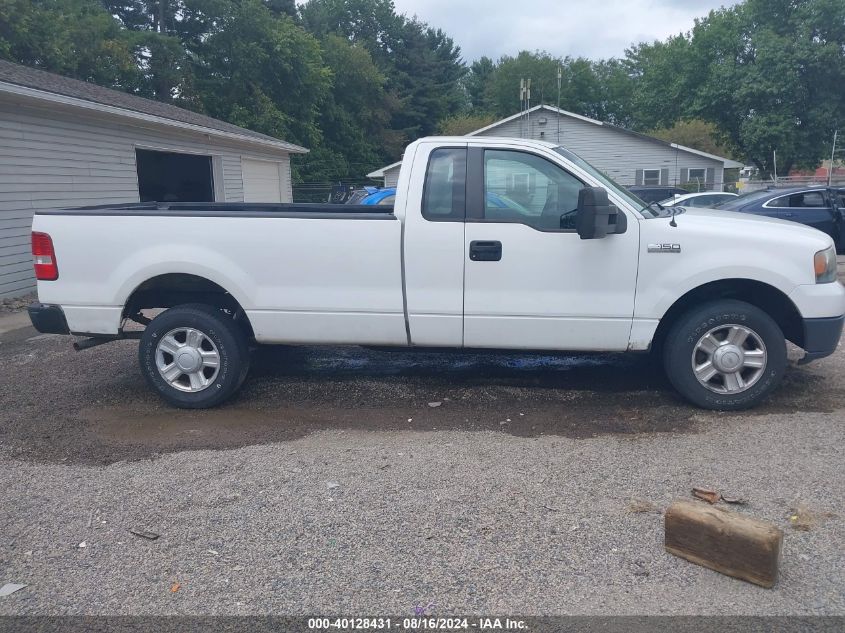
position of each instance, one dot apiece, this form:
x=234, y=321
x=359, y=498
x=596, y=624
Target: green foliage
x=70, y=37
x=600, y=90
x=503, y=85
x=663, y=75
x=694, y=133
x=354, y=80
x=462, y=124
x=261, y=71
x=475, y=84
x=354, y=118
x=773, y=78
x=422, y=66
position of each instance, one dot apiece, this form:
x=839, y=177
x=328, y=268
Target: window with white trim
x=651, y=177
x=697, y=175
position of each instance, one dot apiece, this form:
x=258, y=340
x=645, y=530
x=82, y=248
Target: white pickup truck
x=491, y=243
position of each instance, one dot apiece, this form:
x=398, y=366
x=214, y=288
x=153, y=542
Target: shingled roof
x=53, y=84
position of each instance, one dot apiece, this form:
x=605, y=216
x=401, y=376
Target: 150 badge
x=664, y=248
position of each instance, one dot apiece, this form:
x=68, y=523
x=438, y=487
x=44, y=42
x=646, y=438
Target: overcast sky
x=588, y=28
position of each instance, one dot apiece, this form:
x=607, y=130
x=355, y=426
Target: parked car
x=701, y=199
x=818, y=207
x=655, y=194
x=382, y=197
x=372, y=195
x=387, y=196
x=445, y=267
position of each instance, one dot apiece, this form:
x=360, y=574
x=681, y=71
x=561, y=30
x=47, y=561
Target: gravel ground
x=10, y=305
x=331, y=486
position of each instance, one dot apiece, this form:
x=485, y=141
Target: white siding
x=391, y=176
x=58, y=156
x=616, y=153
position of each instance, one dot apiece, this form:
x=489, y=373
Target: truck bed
x=311, y=273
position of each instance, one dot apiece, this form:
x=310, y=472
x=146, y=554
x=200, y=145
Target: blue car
x=819, y=207
x=384, y=197
x=387, y=196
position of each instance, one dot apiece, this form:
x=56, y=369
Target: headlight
x=825, y=264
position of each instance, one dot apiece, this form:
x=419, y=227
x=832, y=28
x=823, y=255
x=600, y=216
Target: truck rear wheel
x=194, y=356
x=725, y=355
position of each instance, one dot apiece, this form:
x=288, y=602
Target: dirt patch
x=94, y=407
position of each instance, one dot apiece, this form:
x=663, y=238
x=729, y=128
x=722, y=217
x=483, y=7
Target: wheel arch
x=757, y=293
x=171, y=289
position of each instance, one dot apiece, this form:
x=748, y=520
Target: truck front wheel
x=725, y=355
x=194, y=356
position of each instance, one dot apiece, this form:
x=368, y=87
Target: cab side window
x=527, y=189
x=444, y=193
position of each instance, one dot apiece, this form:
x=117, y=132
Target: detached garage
x=65, y=142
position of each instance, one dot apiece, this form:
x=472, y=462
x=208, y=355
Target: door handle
x=788, y=215
x=485, y=251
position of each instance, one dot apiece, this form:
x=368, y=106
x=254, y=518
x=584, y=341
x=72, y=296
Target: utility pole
x=832, y=153
x=775, y=158
x=559, y=78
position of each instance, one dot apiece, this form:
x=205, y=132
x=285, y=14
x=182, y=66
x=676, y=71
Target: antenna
x=528, y=107
x=522, y=107
x=559, y=77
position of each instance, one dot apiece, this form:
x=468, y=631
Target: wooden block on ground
x=727, y=542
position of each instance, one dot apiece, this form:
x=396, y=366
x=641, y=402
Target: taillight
x=46, y=268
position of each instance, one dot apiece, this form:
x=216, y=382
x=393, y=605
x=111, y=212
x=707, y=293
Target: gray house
x=628, y=157
x=65, y=142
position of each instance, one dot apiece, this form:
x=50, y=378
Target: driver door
x=529, y=280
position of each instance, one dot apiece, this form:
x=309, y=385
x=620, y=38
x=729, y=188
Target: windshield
x=634, y=201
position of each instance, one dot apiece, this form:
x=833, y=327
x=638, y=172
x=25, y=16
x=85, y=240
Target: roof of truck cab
x=486, y=140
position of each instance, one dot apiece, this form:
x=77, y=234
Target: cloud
x=588, y=28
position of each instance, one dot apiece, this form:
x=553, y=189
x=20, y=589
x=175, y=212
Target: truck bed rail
x=233, y=209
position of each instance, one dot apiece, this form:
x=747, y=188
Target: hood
x=760, y=225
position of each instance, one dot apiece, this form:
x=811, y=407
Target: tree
x=263, y=72
x=615, y=92
x=353, y=118
x=475, y=84
x=373, y=24
x=422, y=66
x=664, y=75
x=76, y=38
x=462, y=124
x=427, y=70
x=694, y=133
x=503, y=87
x=772, y=75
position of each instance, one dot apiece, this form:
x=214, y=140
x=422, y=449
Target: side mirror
x=596, y=217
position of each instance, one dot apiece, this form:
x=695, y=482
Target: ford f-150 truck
x=491, y=243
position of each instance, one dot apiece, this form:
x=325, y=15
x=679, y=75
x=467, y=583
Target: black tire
x=226, y=335
x=689, y=329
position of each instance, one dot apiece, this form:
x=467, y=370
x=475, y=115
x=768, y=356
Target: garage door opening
x=173, y=177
